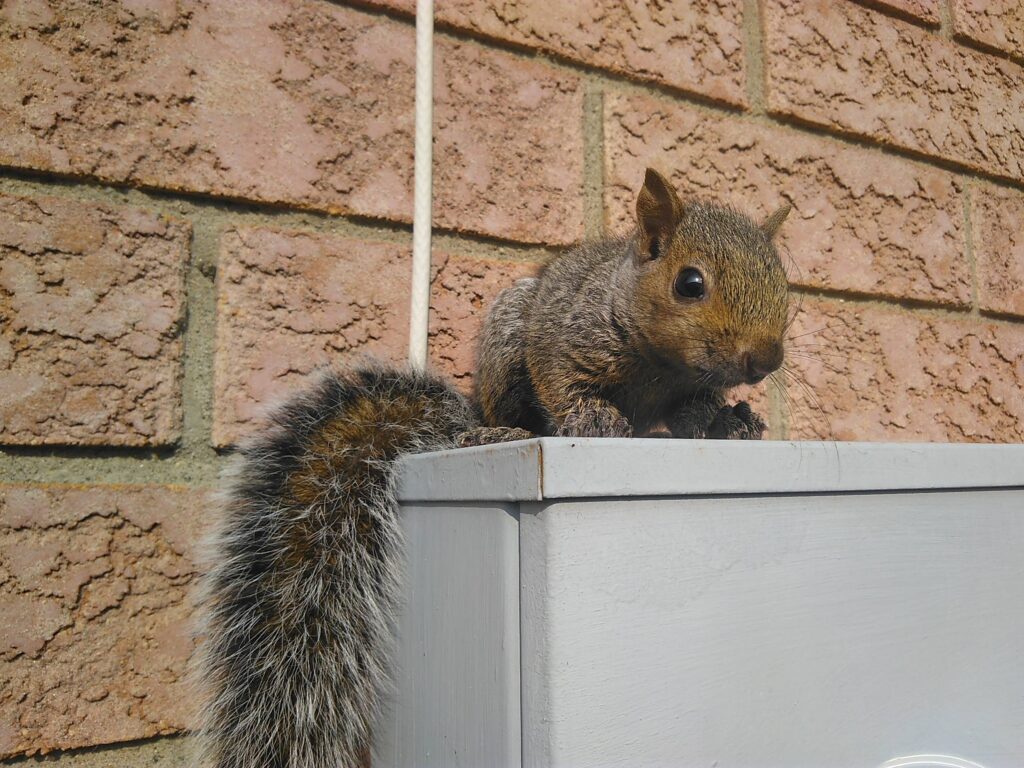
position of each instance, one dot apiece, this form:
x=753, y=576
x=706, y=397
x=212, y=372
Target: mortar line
x=753, y=52
x=945, y=20
x=593, y=160
x=85, y=466
x=256, y=214
x=90, y=755
x=199, y=460
x=969, y=246
x=777, y=415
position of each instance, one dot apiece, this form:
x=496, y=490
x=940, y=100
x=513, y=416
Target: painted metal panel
x=810, y=630
x=456, y=687
x=692, y=603
x=585, y=468
x=503, y=472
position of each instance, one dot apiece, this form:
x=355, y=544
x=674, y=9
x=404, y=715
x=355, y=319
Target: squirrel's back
x=301, y=586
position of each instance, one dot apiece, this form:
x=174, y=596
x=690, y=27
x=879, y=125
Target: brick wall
x=201, y=201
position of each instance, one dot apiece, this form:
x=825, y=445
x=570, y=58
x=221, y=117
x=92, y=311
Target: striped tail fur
x=298, y=601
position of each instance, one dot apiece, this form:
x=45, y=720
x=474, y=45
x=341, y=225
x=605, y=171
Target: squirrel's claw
x=592, y=420
x=736, y=422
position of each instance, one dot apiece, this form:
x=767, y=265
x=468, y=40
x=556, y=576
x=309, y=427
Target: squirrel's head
x=711, y=291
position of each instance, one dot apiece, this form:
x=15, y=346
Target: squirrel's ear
x=658, y=210
x=770, y=226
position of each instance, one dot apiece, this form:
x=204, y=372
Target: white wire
x=419, y=314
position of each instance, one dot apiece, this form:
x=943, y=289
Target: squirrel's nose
x=759, y=363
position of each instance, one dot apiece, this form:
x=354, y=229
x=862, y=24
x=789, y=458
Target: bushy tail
x=298, y=601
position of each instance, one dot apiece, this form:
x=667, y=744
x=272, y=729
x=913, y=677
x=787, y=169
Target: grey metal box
x=581, y=603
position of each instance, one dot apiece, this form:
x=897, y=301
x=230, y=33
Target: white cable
x=419, y=314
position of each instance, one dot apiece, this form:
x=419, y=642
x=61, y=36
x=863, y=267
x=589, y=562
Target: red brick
x=291, y=101
x=862, y=222
x=996, y=225
x=848, y=68
x=997, y=24
x=693, y=45
x=924, y=10
x=92, y=592
x=91, y=304
x=291, y=302
x=880, y=373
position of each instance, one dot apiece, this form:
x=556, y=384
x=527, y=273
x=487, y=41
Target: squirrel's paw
x=736, y=422
x=595, y=421
x=490, y=435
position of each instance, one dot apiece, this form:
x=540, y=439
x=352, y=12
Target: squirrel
x=615, y=338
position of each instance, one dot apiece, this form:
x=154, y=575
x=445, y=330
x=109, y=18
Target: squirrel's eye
x=690, y=284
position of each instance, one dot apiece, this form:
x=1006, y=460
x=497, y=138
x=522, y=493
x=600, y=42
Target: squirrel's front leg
x=709, y=417
x=491, y=435
x=571, y=402
x=690, y=419
x=593, y=417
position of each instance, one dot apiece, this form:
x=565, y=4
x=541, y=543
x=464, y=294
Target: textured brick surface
x=294, y=101
x=289, y=303
x=92, y=588
x=309, y=104
x=91, y=306
x=886, y=374
x=695, y=45
x=925, y=10
x=996, y=23
x=997, y=223
x=862, y=221
x=850, y=68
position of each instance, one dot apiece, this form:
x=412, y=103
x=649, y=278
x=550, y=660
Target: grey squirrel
x=613, y=338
